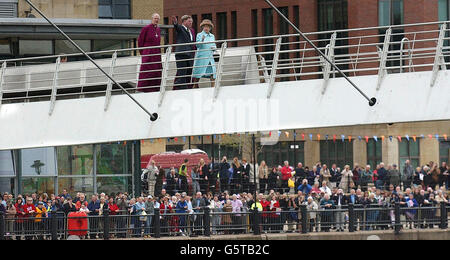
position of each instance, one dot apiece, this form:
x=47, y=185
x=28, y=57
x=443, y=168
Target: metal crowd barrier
x=207, y=222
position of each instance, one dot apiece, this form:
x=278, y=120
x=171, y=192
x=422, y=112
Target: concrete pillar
x=360, y=153
x=429, y=150
x=390, y=152
x=312, y=153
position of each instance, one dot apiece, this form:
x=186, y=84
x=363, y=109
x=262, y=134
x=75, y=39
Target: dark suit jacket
x=184, y=37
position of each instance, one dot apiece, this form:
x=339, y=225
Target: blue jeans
x=148, y=225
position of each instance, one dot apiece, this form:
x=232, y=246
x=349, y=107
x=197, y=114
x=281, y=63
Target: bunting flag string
x=319, y=137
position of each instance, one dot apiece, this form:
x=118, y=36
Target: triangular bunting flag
x=407, y=137
x=414, y=138
x=350, y=138
x=375, y=138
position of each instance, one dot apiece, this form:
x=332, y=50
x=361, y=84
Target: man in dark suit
x=185, y=53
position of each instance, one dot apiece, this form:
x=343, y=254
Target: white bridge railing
x=358, y=52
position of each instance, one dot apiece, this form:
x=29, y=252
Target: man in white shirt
x=325, y=188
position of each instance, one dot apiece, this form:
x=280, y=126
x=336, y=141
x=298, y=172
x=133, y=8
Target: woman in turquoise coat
x=204, y=66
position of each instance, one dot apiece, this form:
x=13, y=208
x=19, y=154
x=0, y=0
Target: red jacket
x=276, y=206
x=266, y=208
x=112, y=209
x=30, y=210
x=286, y=173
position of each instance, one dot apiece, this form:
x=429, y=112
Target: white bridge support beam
x=110, y=83
x=382, y=69
x=439, y=60
x=327, y=65
x=2, y=81
x=274, y=67
x=54, y=86
x=219, y=73
x=164, y=76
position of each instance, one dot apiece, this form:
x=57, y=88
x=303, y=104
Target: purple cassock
x=150, y=74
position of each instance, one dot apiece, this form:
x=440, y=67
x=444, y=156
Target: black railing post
x=207, y=222
x=54, y=225
x=397, y=218
x=157, y=223
x=351, y=217
x=106, y=224
x=444, y=218
x=256, y=228
x=304, y=213
x=2, y=226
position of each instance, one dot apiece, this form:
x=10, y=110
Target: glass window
x=409, y=150
x=337, y=152
x=35, y=47
x=38, y=162
x=234, y=27
x=444, y=151
x=110, y=185
x=207, y=16
x=390, y=12
x=113, y=159
x=268, y=31
x=255, y=26
x=222, y=26
x=75, y=160
x=7, y=185
x=64, y=46
x=114, y=9
x=333, y=15
x=443, y=10
x=6, y=163
x=5, y=47
x=104, y=45
x=374, y=155
x=76, y=184
x=38, y=185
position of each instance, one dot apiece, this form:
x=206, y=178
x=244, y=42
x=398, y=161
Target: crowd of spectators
x=326, y=192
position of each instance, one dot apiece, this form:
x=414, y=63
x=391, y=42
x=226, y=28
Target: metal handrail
x=358, y=56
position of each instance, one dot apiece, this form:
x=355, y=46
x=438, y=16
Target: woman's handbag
x=143, y=216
